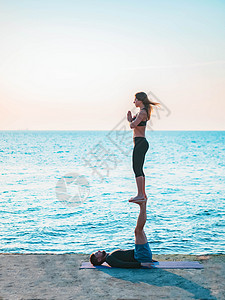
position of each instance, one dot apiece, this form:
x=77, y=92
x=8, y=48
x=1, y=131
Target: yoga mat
x=156, y=265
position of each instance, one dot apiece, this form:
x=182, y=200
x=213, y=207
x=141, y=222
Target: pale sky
x=76, y=65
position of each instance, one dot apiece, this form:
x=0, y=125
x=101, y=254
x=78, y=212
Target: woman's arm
x=139, y=118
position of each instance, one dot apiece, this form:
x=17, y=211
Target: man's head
x=97, y=258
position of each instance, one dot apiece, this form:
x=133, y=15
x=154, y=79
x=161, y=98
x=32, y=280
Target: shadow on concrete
x=160, y=278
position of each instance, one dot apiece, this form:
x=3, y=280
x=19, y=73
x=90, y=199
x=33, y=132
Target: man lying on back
x=139, y=257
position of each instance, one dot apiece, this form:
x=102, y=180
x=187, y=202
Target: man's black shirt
x=122, y=259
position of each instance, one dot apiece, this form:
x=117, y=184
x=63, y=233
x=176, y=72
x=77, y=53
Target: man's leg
x=140, y=237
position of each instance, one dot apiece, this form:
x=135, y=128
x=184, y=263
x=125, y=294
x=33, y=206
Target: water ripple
x=185, y=175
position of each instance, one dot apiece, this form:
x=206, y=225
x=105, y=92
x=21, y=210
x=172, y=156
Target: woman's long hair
x=147, y=103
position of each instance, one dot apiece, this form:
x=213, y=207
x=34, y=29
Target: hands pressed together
x=129, y=116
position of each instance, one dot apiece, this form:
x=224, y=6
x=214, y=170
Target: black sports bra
x=142, y=123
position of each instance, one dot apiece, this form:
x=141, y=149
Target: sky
x=76, y=65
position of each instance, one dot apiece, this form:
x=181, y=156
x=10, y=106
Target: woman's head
x=142, y=97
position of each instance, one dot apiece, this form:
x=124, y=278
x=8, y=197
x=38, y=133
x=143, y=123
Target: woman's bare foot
x=138, y=199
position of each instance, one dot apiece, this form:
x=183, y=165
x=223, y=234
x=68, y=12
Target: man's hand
x=129, y=116
x=147, y=264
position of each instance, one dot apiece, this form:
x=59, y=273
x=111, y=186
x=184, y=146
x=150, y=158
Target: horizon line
x=109, y=130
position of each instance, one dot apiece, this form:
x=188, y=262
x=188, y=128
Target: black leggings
x=140, y=148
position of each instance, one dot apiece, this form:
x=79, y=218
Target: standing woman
x=138, y=124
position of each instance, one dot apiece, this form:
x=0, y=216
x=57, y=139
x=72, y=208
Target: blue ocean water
x=68, y=191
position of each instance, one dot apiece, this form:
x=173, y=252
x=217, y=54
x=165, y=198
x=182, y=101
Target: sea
x=68, y=191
